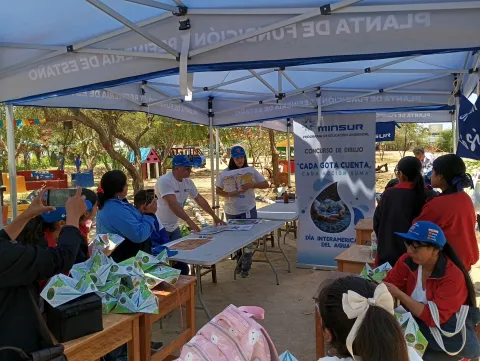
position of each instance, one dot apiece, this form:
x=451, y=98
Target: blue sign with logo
x=468, y=129
x=385, y=131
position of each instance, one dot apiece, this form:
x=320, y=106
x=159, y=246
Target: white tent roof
x=258, y=60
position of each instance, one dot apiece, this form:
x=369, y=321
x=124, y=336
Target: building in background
x=434, y=131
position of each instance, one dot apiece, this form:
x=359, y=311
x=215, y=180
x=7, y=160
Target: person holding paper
x=432, y=283
x=236, y=185
x=21, y=266
x=119, y=217
x=172, y=191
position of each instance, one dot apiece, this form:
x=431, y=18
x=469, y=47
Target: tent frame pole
x=12, y=169
x=347, y=10
x=155, y=4
x=280, y=24
x=289, y=170
x=129, y=24
x=217, y=166
x=212, y=164
x=92, y=41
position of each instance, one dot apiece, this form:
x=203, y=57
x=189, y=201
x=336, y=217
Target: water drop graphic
x=329, y=212
x=364, y=207
x=357, y=215
x=320, y=183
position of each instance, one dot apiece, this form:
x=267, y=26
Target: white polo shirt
x=167, y=184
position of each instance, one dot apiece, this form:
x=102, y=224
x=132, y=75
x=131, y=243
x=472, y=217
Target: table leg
x=191, y=311
x=284, y=255
x=268, y=260
x=239, y=264
x=319, y=341
x=146, y=335
x=287, y=231
x=133, y=345
x=199, y=291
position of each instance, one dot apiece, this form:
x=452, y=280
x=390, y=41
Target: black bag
x=76, y=318
x=53, y=352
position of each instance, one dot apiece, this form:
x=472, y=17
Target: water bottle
x=373, y=245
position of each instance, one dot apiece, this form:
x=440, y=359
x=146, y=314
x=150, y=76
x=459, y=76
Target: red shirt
x=446, y=286
x=455, y=215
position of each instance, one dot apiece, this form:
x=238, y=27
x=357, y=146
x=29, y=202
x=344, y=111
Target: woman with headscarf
x=453, y=210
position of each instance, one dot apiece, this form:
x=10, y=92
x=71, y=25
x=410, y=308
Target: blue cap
x=60, y=213
x=426, y=232
x=238, y=152
x=181, y=161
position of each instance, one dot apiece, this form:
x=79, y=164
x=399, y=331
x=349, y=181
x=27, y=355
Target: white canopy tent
x=226, y=63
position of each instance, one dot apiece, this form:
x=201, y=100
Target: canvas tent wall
x=278, y=45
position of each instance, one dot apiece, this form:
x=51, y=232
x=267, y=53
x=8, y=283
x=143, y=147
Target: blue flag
x=385, y=131
x=468, y=129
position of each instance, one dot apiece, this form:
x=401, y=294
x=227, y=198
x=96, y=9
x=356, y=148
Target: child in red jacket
x=431, y=271
x=453, y=210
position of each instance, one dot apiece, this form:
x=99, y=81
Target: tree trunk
x=274, y=152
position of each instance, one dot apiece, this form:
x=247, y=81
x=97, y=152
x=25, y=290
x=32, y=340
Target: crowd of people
x=428, y=238
x=430, y=241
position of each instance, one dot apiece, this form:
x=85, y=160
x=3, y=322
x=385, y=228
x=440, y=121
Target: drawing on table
x=189, y=244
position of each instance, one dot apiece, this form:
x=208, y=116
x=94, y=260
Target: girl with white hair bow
x=359, y=324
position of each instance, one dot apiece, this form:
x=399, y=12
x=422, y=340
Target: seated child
x=358, y=323
x=159, y=235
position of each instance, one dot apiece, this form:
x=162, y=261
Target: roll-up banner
x=335, y=182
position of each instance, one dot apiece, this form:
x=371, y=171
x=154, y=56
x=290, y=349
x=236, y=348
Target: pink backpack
x=232, y=335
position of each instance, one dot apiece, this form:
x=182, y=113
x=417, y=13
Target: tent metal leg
x=12, y=169
x=288, y=154
x=212, y=164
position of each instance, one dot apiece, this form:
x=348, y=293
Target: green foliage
x=409, y=136
x=445, y=141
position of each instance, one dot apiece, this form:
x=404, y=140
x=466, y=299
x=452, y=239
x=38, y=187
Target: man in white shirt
x=172, y=191
x=426, y=159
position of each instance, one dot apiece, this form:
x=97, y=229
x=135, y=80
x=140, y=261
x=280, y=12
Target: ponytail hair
x=411, y=168
x=33, y=233
x=453, y=170
x=112, y=183
x=450, y=253
x=379, y=337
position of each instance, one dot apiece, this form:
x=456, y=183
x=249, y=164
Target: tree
x=409, y=136
x=88, y=145
x=167, y=133
x=445, y=141
x=113, y=127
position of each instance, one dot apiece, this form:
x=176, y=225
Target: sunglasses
x=414, y=247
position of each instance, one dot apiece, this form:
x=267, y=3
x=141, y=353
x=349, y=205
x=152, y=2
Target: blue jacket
x=125, y=220
x=159, y=236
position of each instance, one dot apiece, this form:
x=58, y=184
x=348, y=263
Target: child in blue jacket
x=159, y=236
